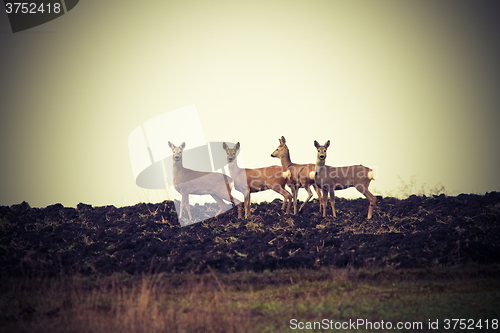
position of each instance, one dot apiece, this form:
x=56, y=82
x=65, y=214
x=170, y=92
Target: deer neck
x=178, y=167
x=320, y=163
x=285, y=159
x=234, y=169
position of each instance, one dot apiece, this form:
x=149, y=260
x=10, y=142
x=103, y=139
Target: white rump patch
x=286, y=174
x=312, y=175
x=371, y=175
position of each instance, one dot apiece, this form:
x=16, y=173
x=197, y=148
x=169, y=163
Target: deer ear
x=183, y=145
x=327, y=144
x=224, y=146
x=283, y=139
x=237, y=146
x=171, y=145
x=316, y=144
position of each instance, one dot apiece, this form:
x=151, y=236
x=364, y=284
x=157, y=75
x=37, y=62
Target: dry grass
x=245, y=301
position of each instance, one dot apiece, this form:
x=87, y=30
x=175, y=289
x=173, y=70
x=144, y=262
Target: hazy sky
x=411, y=89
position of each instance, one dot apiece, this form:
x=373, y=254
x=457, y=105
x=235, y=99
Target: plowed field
x=410, y=233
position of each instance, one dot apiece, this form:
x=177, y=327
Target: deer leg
x=323, y=203
x=309, y=196
x=320, y=201
x=226, y=194
x=181, y=206
x=373, y=202
x=239, y=206
x=371, y=199
x=332, y=201
x=295, y=190
x=287, y=198
x=285, y=203
x=247, y=205
x=232, y=199
x=242, y=207
x=185, y=204
x=220, y=202
x=240, y=210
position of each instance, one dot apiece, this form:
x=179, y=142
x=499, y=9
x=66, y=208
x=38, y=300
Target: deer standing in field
x=187, y=181
x=329, y=179
x=249, y=181
x=299, y=174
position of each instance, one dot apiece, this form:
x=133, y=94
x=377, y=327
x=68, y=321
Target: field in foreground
x=390, y=300
x=419, y=261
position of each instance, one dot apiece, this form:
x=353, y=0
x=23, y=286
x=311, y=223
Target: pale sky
x=410, y=89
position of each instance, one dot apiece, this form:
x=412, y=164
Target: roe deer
x=187, y=181
x=329, y=179
x=249, y=181
x=299, y=174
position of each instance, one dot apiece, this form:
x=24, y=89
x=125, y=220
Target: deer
x=329, y=179
x=187, y=181
x=299, y=174
x=249, y=181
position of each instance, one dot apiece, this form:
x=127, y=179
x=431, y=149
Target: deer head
x=281, y=150
x=231, y=152
x=321, y=149
x=177, y=151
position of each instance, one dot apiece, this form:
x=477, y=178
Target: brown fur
x=329, y=179
x=187, y=181
x=249, y=181
x=299, y=174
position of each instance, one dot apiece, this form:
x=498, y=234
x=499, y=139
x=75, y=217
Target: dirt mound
x=415, y=232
